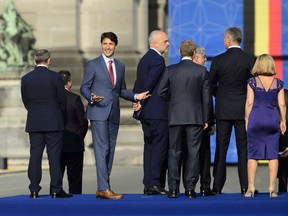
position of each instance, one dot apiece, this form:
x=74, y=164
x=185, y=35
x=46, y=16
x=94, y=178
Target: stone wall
x=71, y=30
x=79, y=23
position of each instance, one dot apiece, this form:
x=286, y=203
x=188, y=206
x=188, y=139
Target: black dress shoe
x=243, y=191
x=61, y=194
x=217, y=191
x=172, y=194
x=155, y=190
x=190, y=194
x=34, y=195
x=207, y=193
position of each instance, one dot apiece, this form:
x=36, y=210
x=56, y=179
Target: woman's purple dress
x=263, y=130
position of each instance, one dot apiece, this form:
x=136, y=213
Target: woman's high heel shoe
x=273, y=194
x=249, y=193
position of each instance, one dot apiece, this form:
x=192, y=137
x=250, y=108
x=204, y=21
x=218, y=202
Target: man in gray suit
x=186, y=86
x=103, y=83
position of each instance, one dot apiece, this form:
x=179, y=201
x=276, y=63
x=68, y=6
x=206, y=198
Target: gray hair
x=199, y=51
x=235, y=33
x=42, y=56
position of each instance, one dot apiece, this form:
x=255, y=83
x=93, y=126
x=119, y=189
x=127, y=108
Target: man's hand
x=96, y=98
x=212, y=130
x=136, y=106
x=143, y=95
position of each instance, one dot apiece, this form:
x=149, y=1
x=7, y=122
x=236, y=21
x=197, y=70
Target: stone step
x=130, y=134
x=68, y=59
x=126, y=115
x=127, y=135
x=129, y=144
x=129, y=154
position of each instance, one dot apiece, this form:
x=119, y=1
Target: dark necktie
x=110, y=69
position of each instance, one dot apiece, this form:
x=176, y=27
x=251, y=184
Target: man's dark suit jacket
x=45, y=105
x=228, y=77
x=186, y=86
x=150, y=82
x=76, y=125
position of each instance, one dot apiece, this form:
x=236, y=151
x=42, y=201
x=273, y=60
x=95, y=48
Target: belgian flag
x=263, y=30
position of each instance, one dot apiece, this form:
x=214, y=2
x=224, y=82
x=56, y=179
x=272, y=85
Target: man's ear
x=229, y=38
x=48, y=61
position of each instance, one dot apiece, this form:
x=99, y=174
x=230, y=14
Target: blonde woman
x=263, y=123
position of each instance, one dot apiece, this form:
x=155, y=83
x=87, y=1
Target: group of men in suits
x=173, y=104
x=43, y=96
x=164, y=118
x=186, y=88
x=56, y=120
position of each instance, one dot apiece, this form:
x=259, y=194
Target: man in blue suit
x=153, y=114
x=43, y=96
x=103, y=83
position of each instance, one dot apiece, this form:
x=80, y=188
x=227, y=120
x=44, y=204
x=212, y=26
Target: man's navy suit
x=153, y=117
x=186, y=86
x=229, y=73
x=73, y=142
x=43, y=95
x=104, y=116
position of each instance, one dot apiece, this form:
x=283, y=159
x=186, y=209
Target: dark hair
x=111, y=36
x=42, y=56
x=65, y=75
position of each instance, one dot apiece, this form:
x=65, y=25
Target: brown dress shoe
x=119, y=196
x=108, y=194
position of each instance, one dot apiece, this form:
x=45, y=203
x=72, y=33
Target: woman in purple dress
x=263, y=123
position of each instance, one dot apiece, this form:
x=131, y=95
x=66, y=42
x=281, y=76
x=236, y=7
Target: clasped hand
x=136, y=106
x=142, y=96
x=96, y=98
